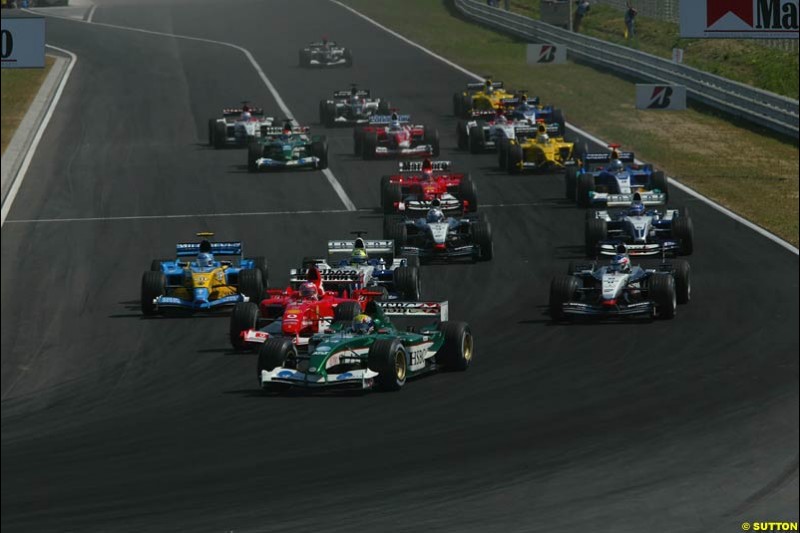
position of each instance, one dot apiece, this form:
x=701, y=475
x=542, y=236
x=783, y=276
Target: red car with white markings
x=413, y=191
x=296, y=312
x=395, y=136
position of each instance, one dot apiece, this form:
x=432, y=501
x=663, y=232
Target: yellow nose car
x=534, y=149
x=482, y=97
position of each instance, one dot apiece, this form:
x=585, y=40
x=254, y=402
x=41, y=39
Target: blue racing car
x=205, y=284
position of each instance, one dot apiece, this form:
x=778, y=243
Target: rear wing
x=363, y=93
x=416, y=309
x=235, y=111
x=229, y=249
x=480, y=85
x=602, y=157
x=379, y=247
x=387, y=119
x=277, y=130
x=319, y=44
x=416, y=166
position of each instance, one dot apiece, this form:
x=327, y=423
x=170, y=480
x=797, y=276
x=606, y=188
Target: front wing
x=171, y=302
x=303, y=162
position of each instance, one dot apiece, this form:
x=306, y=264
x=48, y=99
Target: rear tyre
x=683, y=281
x=391, y=193
x=244, y=317
x=461, y=135
x=260, y=263
x=251, y=284
x=596, y=231
x=358, y=142
x=406, y=282
x=154, y=284
x=558, y=118
x=482, y=236
x=212, y=126
x=457, y=351
x=431, y=138
x=476, y=140
x=155, y=265
x=562, y=290
x=345, y=312
x=330, y=115
x=348, y=57
x=254, y=153
x=320, y=150
x=398, y=232
x=220, y=133
x=388, y=357
x=659, y=181
x=683, y=231
x=584, y=186
x=384, y=108
x=468, y=193
x=370, y=145
x=514, y=159
x=662, y=293
x=502, y=153
x=571, y=182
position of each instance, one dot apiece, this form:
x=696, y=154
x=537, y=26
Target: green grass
x=17, y=90
x=750, y=172
x=741, y=60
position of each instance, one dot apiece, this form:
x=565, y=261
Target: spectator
x=630, y=21
x=581, y=8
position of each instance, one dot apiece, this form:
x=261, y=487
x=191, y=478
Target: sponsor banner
x=546, y=54
x=654, y=96
x=23, y=42
x=739, y=19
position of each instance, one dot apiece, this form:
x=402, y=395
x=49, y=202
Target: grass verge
x=741, y=60
x=751, y=172
x=18, y=88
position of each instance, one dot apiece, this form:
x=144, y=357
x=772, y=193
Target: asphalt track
x=111, y=422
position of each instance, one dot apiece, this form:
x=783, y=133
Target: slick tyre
x=406, y=282
x=358, y=142
x=154, y=284
x=220, y=133
x=596, y=231
x=254, y=153
x=585, y=186
x=391, y=194
x=659, y=181
x=244, y=317
x=260, y=263
x=476, y=140
x=370, y=145
x=388, y=357
x=320, y=150
x=431, y=138
x=683, y=281
x=155, y=264
x=467, y=192
x=398, y=232
x=514, y=158
x=345, y=312
x=461, y=135
x=562, y=290
x=683, y=231
x=662, y=293
x=274, y=353
x=482, y=236
x=458, y=349
x=251, y=284
x=571, y=183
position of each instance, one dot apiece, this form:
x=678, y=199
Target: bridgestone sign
x=546, y=54
x=660, y=97
x=739, y=19
x=23, y=42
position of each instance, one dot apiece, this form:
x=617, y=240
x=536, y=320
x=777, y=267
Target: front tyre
x=388, y=357
x=243, y=318
x=458, y=348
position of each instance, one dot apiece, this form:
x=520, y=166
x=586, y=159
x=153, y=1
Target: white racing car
x=238, y=126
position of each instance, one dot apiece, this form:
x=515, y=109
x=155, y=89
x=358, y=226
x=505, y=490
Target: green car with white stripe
x=383, y=359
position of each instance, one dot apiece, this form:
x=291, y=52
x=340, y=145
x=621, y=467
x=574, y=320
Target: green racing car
x=287, y=148
x=369, y=352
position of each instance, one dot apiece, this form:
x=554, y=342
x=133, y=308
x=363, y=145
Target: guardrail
x=764, y=108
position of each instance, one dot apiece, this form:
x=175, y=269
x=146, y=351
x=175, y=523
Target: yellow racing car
x=534, y=149
x=481, y=98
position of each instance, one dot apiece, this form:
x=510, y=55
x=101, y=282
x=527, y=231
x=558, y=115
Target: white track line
x=724, y=210
x=23, y=169
x=337, y=186
x=188, y=215
x=90, y=16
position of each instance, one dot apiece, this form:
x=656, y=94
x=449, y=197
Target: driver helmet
x=501, y=119
x=616, y=166
x=246, y=115
x=435, y=215
x=544, y=137
x=363, y=324
x=205, y=260
x=395, y=125
x=637, y=209
x=621, y=263
x=489, y=87
x=358, y=257
x=308, y=291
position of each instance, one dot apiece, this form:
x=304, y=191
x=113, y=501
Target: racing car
x=238, y=126
x=205, y=284
x=286, y=148
x=421, y=182
x=359, y=264
x=485, y=96
x=352, y=107
x=533, y=149
x=620, y=290
x=325, y=53
x=612, y=179
x=643, y=231
x=371, y=351
x=437, y=238
x=297, y=312
x=393, y=136
x=488, y=130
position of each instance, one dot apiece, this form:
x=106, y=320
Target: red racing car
x=296, y=312
x=419, y=183
x=394, y=136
